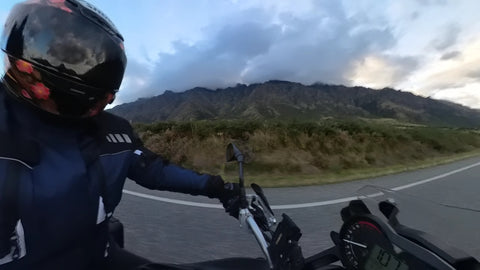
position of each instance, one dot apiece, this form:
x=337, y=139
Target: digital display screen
x=380, y=259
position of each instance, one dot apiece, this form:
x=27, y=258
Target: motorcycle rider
x=63, y=160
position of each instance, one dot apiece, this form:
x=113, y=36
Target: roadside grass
x=266, y=180
x=308, y=153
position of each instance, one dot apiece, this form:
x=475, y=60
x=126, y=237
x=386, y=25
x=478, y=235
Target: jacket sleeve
x=152, y=171
x=147, y=168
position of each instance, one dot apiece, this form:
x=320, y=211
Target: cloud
x=448, y=38
x=71, y=49
x=256, y=46
x=136, y=77
x=431, y=2
x=468, y=95
x=450, y=55
x=368, y=44
x=217, y=62
x=379, y=71
x=414, y=15
x=456, y=75
x=475, y=74
x=321, y=47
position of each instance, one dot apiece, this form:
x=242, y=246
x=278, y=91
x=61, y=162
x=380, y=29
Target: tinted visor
x=68, y=40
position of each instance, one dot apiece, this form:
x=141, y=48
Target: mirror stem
x=243, y=196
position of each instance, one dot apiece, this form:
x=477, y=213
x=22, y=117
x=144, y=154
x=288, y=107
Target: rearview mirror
x=233, y=153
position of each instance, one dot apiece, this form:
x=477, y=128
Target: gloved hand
x=230, y=199
x=227, y=193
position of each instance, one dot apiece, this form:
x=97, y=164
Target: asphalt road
x=175, y=233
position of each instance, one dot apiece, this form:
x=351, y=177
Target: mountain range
x=283, y=100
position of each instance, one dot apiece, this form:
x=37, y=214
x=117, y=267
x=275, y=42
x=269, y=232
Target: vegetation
x=295, y=153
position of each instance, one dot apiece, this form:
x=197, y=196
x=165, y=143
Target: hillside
x=282, y=100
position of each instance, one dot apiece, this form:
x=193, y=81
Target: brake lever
x=259, y=191
x=259, y=216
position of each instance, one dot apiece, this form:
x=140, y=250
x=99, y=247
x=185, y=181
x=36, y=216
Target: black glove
x=227, y=193
x=230, y=199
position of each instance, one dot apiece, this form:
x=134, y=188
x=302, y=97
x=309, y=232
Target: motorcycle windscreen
x=456, y=226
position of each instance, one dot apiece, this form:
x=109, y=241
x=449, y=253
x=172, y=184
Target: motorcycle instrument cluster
x=363, y=245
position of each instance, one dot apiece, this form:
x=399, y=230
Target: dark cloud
x=448, y=38
x=474, y=74
x=404, y=66
x=320, y=46
x=308, y=54
x=414, y=15
x=134, y=82
x=69, y=49
x=218, y=62
x=451, y=55
x=137, y=69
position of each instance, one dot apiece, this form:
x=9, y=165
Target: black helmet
x=63, y=56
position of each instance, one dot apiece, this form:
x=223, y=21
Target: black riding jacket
x=64, y=179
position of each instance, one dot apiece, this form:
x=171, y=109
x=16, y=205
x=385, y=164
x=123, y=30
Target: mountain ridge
x=284, y=100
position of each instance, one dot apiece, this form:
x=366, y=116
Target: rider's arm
x=152, y=171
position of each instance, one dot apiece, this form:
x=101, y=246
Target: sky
x=428, y=47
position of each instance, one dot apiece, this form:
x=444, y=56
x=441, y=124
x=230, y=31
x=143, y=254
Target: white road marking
x=300, y=205
x=421, y=182
x=161, y=199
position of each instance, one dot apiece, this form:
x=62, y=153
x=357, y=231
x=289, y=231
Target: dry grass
x=280, y=154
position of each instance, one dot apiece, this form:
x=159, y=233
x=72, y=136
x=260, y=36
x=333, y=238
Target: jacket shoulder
x=109, y=120
x=15, y=147
x=18, y=149
x=116, y=133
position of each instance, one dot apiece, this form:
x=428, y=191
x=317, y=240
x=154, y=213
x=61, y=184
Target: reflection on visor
x=54, y=94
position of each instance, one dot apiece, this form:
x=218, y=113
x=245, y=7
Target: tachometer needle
x=355, y=243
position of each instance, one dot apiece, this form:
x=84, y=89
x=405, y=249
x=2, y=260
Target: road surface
x=177, y=228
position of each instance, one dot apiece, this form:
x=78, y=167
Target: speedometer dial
x=358, y=237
